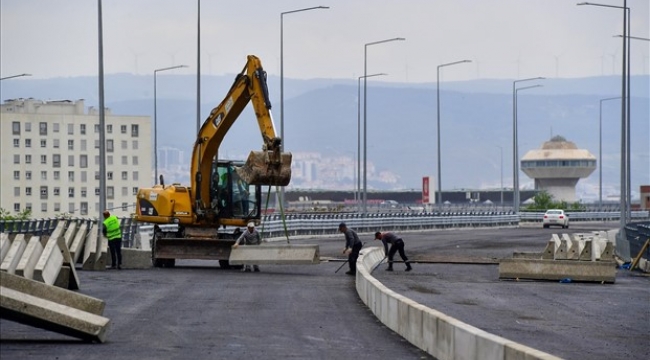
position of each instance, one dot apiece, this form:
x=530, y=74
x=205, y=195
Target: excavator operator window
x=233, y=197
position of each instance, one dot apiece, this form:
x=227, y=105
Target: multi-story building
x=49, y=153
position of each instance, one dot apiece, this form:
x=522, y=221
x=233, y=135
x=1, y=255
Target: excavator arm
x=266, y=167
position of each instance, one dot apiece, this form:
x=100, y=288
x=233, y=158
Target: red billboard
x=425, y=190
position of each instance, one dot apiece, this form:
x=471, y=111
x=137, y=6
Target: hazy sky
x=505, y=38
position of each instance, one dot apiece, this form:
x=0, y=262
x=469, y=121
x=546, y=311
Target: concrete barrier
x=5, y=244
x=14, y=254
x=47, y=307
x=67, y=278
x=535, y=269
x=58, y=231
x=101, y=257
x=440, y=335
x=136, y=259
x=69, y=233
x=30, y=257
x=298, y=254
x=90, y=251
x=77, y=246
x=49, y=264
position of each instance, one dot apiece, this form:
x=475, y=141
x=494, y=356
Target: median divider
x=430, y=330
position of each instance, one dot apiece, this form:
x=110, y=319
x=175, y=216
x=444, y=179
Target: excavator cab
x=230, y=196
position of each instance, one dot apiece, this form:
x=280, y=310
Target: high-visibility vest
x=112, y=228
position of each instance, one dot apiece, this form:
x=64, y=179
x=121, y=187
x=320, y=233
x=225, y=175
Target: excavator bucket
x=266, y=168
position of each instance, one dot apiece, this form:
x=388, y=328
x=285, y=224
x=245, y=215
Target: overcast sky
x=504, y=38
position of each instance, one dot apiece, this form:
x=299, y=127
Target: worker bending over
x=396, y=244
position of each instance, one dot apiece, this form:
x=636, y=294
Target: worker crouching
x=249, y=237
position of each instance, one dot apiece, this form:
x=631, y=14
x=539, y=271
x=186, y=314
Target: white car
x=555, y=217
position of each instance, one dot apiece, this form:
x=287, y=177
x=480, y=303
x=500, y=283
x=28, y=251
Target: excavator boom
x=266, y=167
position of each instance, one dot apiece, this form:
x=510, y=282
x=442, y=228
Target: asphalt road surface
x=199, y=311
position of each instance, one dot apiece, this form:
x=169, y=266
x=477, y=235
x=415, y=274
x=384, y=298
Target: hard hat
x=251, y=224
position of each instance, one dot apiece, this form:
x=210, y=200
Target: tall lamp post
x=365, y=117
x=515, y=144
x=282, y=65
x=359, y=137
x=438, y=116
x=155, y=117
x=282, y=75
x=625, y=121
x=14, y=76
x=600, y=153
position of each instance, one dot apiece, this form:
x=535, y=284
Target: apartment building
x=49, y=155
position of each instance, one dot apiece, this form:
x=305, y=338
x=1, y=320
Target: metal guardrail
x=306, y=224
x=587, y=216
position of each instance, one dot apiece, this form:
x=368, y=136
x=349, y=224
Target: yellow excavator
x=222, y=192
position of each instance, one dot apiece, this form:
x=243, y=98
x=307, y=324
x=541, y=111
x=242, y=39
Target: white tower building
x=557, y=166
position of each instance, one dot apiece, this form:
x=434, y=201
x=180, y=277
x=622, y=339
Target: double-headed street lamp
x=14, y=76
x=625, y=109
x=358, y=192
x=365, y=117
x=600, y=152
x=155, y=117
x=438, y=116
x=515, y=142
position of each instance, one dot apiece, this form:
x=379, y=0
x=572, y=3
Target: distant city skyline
x=505, y=39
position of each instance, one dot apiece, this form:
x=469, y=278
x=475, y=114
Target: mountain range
x=321, y=115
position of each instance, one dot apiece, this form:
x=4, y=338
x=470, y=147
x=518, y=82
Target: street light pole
x=14, y=76
x=515, y=145
x=358, y=196
x=282, y=76
x=365, y=118
x=102, y=117
x=198, y=72
x=600, y=153
x=624, y=110
x=155, y=118
x=438, y=116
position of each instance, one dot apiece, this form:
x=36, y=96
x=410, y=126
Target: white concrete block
x=445, y=338
x=69, y=234
x=90, y=250
x=465, y=344
x=414, y=329
x=49, y=264
x=30, y=257
x=5, y=244
x=76, y=248
x=14, y=254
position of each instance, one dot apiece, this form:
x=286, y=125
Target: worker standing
x=113, y=233
x=396, y=245
x=352, y=247
x=250, y=237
